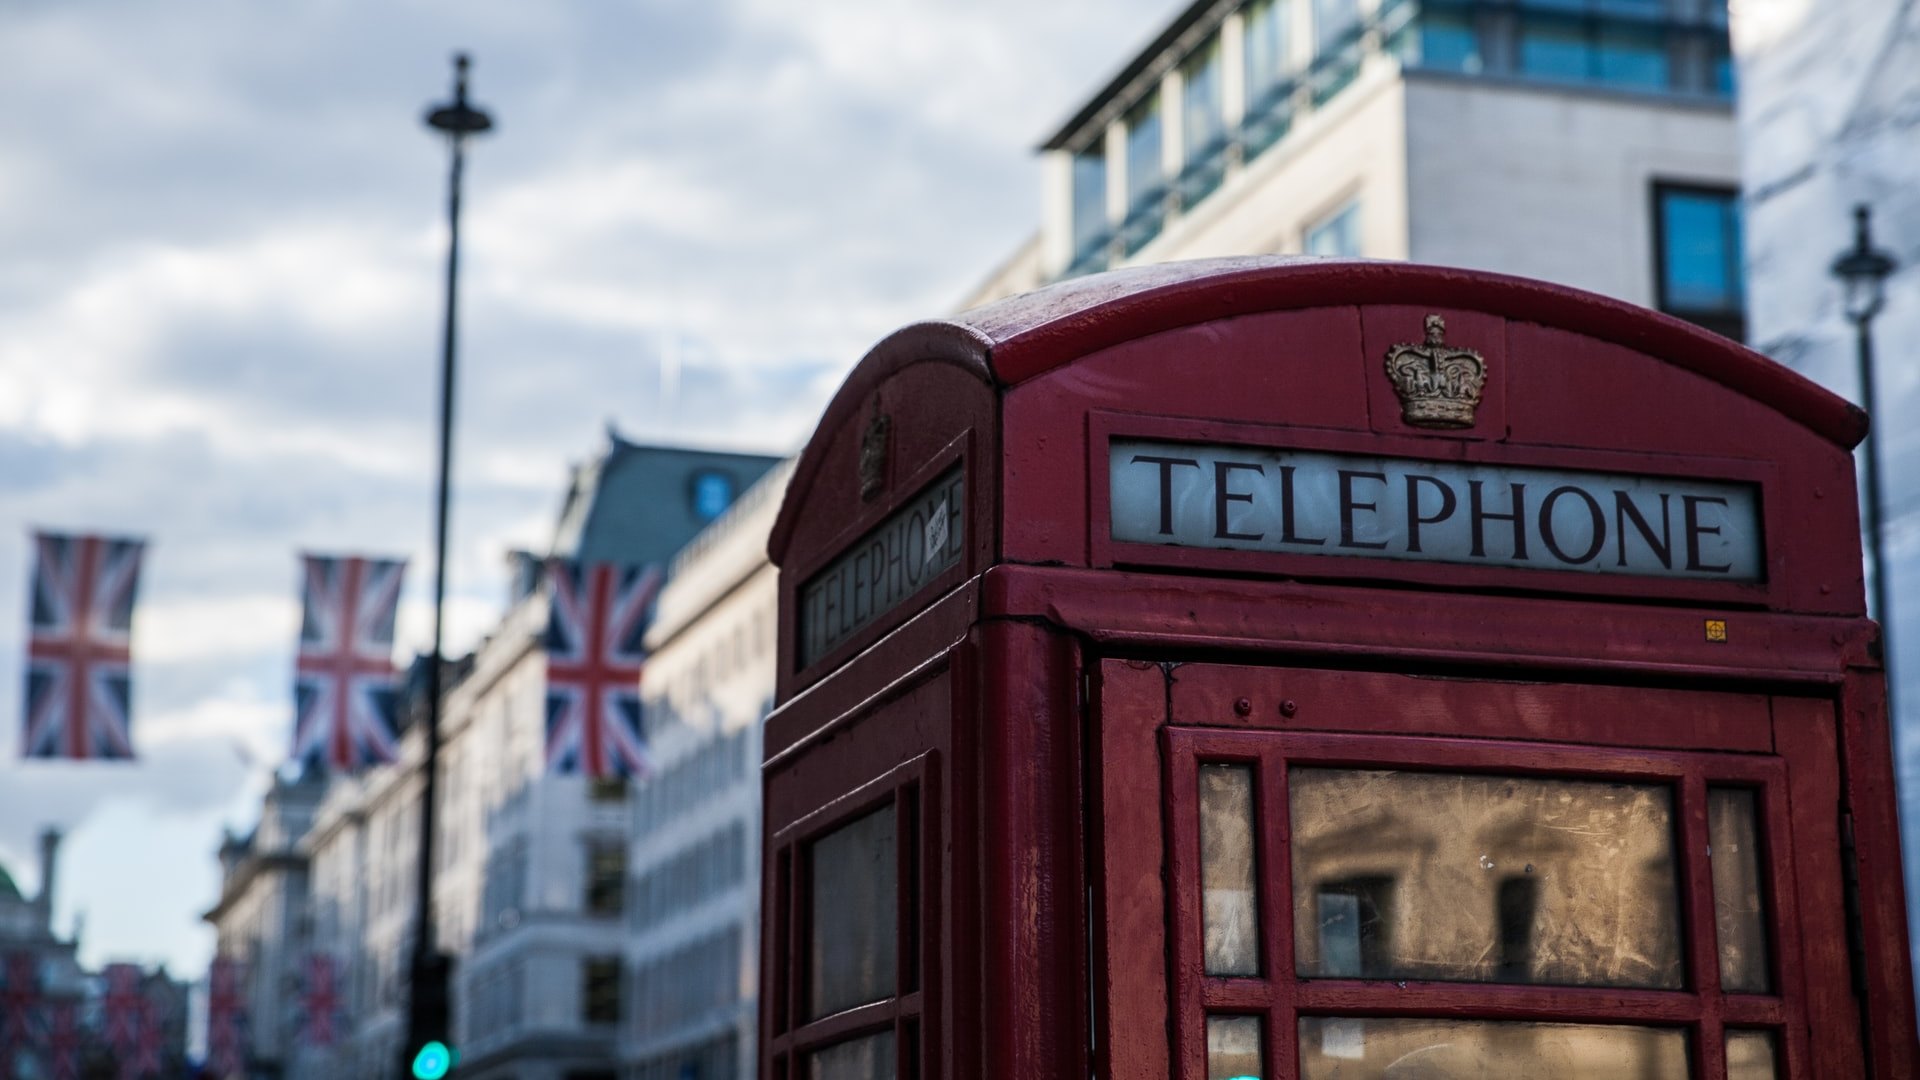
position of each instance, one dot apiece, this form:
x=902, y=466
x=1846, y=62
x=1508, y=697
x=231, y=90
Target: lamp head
x=1863, y=270
x=457, y=118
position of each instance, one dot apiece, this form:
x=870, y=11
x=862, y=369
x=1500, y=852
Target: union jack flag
x=19, y=998
x=594, y=658
x=63, y=1040
x=120, y=1007
x=225, y=1018
x=320, y=1004
x=79, y=682
x=344, y=694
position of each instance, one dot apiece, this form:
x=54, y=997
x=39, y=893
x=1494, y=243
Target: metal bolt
x=1288, y=708
x=1243, y=707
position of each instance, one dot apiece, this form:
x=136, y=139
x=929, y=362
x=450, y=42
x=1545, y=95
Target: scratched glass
x=854, y=924
x=1352, y=1048
x=1751, y=1056
x=1469, y=878
x=1227, y=870
x=1234, y=1050
x=1739, y=897
x=867, y=1058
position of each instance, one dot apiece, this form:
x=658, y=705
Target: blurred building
x=50, y=964
x=530, y=877
x=1830, y=119
x=694, y=906
x=1587, y=142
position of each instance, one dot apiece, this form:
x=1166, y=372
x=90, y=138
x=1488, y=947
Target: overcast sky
x=220, y=291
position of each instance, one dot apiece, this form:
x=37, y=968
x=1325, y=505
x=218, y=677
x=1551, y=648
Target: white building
x=1570, y=140
x=1830, y=119
x=694, y=909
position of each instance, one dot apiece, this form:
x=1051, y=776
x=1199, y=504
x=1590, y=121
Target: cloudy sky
x=220, y=256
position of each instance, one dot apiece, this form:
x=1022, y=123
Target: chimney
x=49, y=847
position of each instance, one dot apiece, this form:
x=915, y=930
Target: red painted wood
x=1867, y=771
x=1385, y=325
x=1696, y=898
x=1129, y=904
x=1804, y=732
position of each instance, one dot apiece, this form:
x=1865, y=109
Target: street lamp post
x=427, y=1052
x=1863, y=271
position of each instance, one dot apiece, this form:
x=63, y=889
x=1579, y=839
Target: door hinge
x=1850, y=886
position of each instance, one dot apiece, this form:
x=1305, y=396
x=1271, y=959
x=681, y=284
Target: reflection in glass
x=1750, y=1056
x=1233, y=1048
x=1739, y=900
x=1228, y=899
x=1350, y=1048
x=1409, y=875
x=855, y=930
x=868, y=1058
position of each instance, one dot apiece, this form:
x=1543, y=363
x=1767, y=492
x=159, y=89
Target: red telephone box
x=1287, y=668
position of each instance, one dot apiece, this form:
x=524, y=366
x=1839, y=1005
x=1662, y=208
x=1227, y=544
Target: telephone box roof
x=1010, y=341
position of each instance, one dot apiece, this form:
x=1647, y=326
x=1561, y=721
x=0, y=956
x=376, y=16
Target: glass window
x=1333, y=21
x=1387, y=1047
x=1227, y=870
x=1338, y=234
x=1700, y=251
x=1630, y=56
x=712, y=494
x=606, y=889
x=1410, y=875
x=867, y=1058
x=1089, y=197
x=1555, y=49
x=1739, y=894
x=1751, y=1056
x=1144, y=171
x=855, y=932
x=1448, y=42
x=1234, y=1050
x=1268, y=38
x=600, y=990
x=1203, y=109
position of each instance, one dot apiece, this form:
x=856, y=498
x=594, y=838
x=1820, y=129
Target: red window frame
x=910, y=790
x=1281, y=998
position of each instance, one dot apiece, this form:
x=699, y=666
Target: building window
x=1333, y=22
x=607, y=789
x=1338, y=234
x=606, y=889
x=1267, y=40
x=712, y=494
x=1146, y=207
x=600, y=990
x=1448, y=42
x=1089, y=205
x=1203, y=124
x=1698, y=260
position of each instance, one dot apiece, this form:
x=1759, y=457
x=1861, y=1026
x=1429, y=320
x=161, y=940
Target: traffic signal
x=428, y=1053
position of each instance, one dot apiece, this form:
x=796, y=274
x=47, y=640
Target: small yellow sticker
x=1716, y=629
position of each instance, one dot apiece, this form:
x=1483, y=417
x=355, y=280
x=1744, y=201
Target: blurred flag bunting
x=598, y=618
x=79, y=683
x=344, y=693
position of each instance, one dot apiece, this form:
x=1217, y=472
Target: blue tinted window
x=1723, y=73
x=1089, y=196
x=1700, y=256
x=712, y=494
x=1631, y=57
x=1552, y=49
x=1338, y=234
x=1332, y=20
x=1143, y=150
x=1267, y=41
x=1202, y=114
x=1448, y=42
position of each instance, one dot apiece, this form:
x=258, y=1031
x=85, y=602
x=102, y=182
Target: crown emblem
x=1439, y=384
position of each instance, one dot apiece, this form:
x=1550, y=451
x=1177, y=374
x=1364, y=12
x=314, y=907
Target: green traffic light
x=433, y=1061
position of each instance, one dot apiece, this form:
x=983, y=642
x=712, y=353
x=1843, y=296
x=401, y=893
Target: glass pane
x=1739, y=897
x=1407, y=875
x=1357, y=1049
x=1338, y=235
x=1267, y=41
x=1449, y=43
x=1635, y=58
x=855, y=928
x=867, y=1058
x=1144, y=162
x=1227, y=870
x=1333, y=20
x=1552, y=49
x=1750, y=1056
x=1701, y=263
x=1203, y=116
x=1089, y=197
x=1233, y=1048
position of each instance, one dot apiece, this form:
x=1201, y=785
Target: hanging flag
x=320, y=1005
x=19, y=998
x=344, y=692
x=79, y=684
x=120, y=1007
x=226, y=1018
x=142, y=1060
x=63, y=1040
x=598, y=617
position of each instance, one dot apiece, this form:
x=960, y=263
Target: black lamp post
x=1863, y=271
x=428, y=1051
